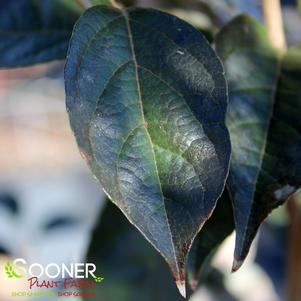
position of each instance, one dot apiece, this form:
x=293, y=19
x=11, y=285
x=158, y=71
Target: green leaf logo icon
x=98, y=279
x=9, y=270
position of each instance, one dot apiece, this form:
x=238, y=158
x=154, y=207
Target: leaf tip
x=236, y=265
x=181, y=287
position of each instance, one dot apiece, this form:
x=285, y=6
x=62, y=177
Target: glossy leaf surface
x=264, y=128
x=217, y=228
x=146, y=97
x=132, y=269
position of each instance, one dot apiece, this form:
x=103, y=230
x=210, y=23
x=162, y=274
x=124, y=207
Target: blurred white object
x=40, y=165
x=249, y=283
x=46, y=200
x=55, y=218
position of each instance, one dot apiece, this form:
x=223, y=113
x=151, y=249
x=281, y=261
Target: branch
x=274, y=23
x=84, y=4
x=116, y=4
x=294, y=251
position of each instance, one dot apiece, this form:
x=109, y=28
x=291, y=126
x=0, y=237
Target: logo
x=10, y=272
x=74, y=279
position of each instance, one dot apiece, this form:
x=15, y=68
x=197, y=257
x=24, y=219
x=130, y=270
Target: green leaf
x=251, y=71
x=146, y=97
x=265, y=132
x=132, y=269
x=100, y=2
x=35, y=31
x=218, y=227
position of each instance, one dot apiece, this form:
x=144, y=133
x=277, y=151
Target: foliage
x=219, y=226
x=133, y=270
x=147, y=100
x=262, y=117
x=153, y=132
x=251, y=101
x=34, y=31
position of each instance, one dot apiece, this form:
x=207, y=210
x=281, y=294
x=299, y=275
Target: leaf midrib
x=125, y=14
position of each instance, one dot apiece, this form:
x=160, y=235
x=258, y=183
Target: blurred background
x=49, y=200
x=50, y=203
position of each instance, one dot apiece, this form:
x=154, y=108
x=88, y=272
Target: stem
x=294, y=251
x=274, y=23
x=84, y=4
x=116, y=4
